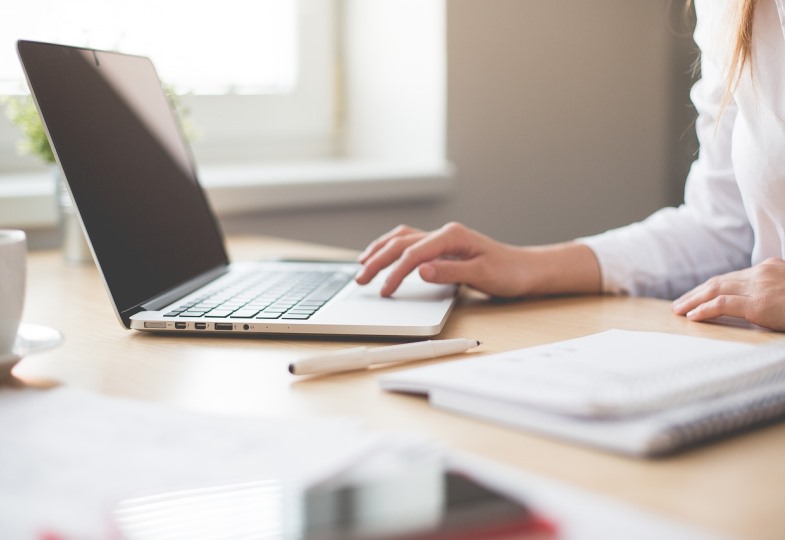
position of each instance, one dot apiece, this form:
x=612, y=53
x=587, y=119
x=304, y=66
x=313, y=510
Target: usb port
x=155, y=324
x=180, y=325
x=224, y=326
x=200, y=325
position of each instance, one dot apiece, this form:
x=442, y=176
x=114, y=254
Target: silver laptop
x=152, y=233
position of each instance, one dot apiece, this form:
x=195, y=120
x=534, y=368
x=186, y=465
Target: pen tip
x=291, y=369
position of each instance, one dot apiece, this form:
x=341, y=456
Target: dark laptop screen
x=128, y=167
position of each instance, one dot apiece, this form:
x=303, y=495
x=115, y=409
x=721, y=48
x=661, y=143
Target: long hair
x=742, y=18
x=741, y=55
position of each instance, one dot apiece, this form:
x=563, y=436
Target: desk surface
x=734, y=486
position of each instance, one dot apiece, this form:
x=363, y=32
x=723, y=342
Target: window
x=257, y=73
x=255, y=53
x=298, y=102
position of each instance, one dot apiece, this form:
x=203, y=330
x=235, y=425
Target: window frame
x=296, y=125
x=371, y=153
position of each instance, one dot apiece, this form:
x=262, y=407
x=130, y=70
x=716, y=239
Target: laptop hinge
x=185, y=289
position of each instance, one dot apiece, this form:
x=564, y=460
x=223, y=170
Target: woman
x=721, y=252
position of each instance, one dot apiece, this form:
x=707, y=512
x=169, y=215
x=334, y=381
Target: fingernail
x=386, y=289
x=427, y=272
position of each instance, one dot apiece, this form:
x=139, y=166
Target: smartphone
x=468, y=510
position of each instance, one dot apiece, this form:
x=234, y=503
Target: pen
x=363, y=357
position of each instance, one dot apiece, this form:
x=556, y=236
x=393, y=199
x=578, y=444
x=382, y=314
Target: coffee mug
x=13, y=272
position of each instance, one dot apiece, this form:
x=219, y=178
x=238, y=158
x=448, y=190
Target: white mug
x=13, y=276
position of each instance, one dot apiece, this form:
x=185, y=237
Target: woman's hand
x=756, y=294
x=457, y=254
x=451, y=254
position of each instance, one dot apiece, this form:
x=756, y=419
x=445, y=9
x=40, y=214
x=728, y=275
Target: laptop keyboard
x=293, y=295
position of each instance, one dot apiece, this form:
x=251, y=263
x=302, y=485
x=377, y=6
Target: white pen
x=363, y=357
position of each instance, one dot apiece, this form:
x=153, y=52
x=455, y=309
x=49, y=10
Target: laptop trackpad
x=414, y=303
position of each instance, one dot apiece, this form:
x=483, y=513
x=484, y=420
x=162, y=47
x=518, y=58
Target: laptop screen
x=128, y=167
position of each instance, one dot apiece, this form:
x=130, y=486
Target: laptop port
x=180, y=325
x=155, y=324
x=224, y=326
x=200, y=325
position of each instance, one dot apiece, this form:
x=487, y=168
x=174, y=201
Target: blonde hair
x=741, y=55
x=742, y=18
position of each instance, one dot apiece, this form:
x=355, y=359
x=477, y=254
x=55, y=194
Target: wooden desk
x=735, y=487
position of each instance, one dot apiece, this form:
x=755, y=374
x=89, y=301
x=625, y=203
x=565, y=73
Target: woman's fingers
x=723, y=305
x=379, y=243
x=407, y=248
x=450, y=271
x=451, y=241
x=756, y=294
x=714, y=287
x=385, y=254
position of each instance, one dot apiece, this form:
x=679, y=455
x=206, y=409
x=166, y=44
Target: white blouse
x=734, y=211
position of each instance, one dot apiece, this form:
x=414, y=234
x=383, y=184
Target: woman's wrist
x=566, y=268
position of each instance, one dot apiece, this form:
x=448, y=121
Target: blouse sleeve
x=676, y=249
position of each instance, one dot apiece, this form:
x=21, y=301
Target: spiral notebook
x=639, y=393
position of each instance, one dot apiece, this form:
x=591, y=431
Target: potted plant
x=22, y=112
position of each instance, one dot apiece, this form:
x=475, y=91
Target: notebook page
x=597, y=375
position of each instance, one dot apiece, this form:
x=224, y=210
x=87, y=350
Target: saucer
x=30, y=339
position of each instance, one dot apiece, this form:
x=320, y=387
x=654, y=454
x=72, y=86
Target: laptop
x=154, y=238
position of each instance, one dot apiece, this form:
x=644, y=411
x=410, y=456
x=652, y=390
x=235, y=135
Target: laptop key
x=273, y=309
x=299, y=316
x=244, y=313
x=268, y=315
x=305, y=311
x=219, y=313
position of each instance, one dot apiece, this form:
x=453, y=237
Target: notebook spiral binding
x=761, y=405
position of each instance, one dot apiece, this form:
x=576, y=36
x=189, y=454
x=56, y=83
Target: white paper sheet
x=67, y=458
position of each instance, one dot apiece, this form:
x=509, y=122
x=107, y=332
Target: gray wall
x=565, y=118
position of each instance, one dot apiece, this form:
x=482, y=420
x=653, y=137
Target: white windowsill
x=27, y=199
